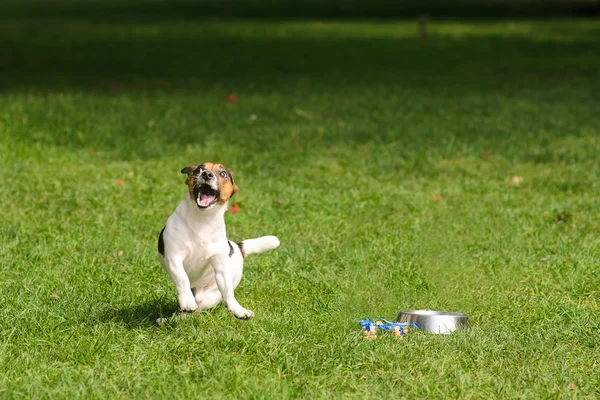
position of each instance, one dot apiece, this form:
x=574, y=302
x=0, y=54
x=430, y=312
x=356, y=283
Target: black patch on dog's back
x=161, y=242
x=230, y=249
x=242, y=250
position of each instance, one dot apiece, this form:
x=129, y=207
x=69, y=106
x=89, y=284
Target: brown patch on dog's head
x=192, y=171
x=209, y=180
x=227, y=186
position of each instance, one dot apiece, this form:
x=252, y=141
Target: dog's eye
x=223, y=174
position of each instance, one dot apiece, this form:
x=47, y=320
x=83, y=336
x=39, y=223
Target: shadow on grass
x=201, y=63
x=126, y=58
x=150, y=314
x=52, y=45
x=153, y=10
x=193, y=63
x=144, y=315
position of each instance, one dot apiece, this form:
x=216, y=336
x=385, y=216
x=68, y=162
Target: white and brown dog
x=193, y=247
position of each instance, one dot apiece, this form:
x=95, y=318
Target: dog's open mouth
x=205, y=196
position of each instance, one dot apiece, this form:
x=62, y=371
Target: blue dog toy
x=398, y=328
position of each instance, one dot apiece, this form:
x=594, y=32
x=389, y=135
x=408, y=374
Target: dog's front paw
x=187, y=302
x=242, y=313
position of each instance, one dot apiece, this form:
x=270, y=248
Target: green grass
x=357, y=126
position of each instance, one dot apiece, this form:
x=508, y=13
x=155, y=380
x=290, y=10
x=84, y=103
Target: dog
x=193, y=247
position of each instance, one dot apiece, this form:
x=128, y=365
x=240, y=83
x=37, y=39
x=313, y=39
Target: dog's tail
x=258, y=245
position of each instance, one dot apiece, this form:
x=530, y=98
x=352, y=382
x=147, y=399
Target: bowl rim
x=432, y=313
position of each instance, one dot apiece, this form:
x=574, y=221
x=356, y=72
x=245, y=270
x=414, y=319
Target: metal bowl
x=433, y=321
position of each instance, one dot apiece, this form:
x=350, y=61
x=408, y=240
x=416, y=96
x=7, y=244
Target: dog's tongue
x=205, y=199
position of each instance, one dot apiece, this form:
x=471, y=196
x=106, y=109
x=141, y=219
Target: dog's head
x=209, y=184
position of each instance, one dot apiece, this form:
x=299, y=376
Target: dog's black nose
x=207, y=175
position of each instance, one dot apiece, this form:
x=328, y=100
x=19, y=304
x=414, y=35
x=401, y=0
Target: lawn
x=383, y=162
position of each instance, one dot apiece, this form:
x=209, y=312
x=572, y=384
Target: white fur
x=260, y=245
x=196, y=257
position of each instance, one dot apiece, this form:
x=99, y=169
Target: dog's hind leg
x=207, y=297
x=228, y=273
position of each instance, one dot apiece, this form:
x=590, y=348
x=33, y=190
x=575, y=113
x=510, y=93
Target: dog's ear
x=235, y=188
x=189, y=170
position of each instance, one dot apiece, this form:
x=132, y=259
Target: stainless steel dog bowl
x=435, y=321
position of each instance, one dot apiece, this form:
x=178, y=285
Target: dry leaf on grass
x=120, y=182
x=516, y=181
x=437, y=198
